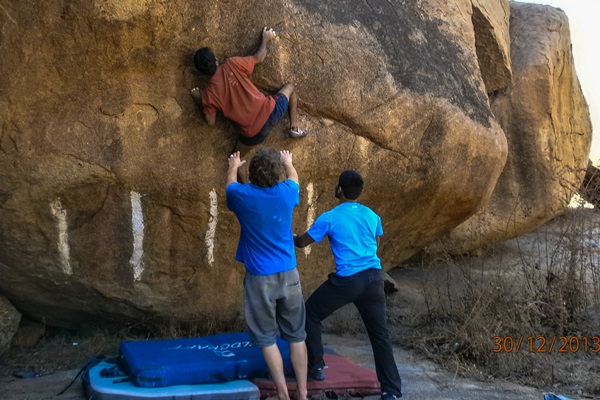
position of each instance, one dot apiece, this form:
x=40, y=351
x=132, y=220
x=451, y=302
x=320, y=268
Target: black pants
x=365, y=290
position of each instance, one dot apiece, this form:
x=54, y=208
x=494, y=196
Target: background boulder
x=112, y=188
x=9, y=323
x=547, y=124
x=590, y=187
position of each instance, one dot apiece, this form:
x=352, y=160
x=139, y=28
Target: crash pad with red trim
x=342, y=376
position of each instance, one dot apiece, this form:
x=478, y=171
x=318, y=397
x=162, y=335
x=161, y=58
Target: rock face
x=112, y=191
x=548, y=128
x=9, y=323
x=492, y=42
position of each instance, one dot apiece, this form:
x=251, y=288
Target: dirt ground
x=43, y=370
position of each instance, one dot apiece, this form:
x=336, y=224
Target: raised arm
x=261, y=53
x=290, y=171
x=234, y=163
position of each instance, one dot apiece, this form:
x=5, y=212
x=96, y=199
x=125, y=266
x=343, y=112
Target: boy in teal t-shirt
x=353, y=230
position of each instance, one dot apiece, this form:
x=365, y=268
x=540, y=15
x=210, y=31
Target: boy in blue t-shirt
x=353, y=231
x=273, y=301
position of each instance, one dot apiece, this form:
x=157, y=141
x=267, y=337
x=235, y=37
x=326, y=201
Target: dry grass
x=58, y=350
x=550, y=289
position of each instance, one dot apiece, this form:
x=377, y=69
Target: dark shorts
x=273, y=304
x=281, y=106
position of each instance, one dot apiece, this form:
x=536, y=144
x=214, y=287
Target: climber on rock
x=231, y=91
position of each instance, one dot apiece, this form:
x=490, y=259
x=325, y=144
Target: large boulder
x=590, y=187
x=9, y=323
x=547, y=123
x=112, y=189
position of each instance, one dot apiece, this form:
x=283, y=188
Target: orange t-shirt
x=231, y=91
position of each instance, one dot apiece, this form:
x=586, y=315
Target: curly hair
x=205, y=61
x=265, y=167
x=351, y=183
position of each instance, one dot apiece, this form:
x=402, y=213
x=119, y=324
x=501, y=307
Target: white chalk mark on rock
x=209, y=239
x=60, y=214
x=137, y=229
x=310, y=214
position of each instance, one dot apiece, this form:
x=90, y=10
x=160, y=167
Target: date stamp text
x=544, y=344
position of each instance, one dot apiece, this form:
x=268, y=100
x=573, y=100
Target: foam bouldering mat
x=210, y=359
x=100, y=385
x=249, y=359
x=160, y=363
x=342, y=376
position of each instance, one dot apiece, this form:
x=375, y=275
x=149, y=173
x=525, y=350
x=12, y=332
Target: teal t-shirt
x=352, y=229
x=266, y=244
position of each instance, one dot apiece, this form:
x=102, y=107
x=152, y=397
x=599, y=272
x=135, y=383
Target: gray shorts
x=273, y=304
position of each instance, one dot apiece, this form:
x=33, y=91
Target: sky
x=584, y=23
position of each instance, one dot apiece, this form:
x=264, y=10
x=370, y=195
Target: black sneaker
x=388, y=396
x=316, y=374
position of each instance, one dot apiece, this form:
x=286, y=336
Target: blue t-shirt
x=352, y=230
x=266, y=244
